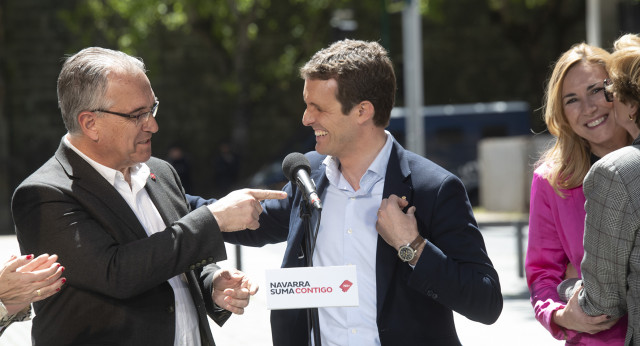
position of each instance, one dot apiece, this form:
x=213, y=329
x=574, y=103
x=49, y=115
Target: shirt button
x=349, y=231
x=171, y=309
x=354, y=331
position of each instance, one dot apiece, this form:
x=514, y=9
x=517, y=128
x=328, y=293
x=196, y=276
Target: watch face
x=406, y=253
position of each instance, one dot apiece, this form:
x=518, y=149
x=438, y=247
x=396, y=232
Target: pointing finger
x=267, y=194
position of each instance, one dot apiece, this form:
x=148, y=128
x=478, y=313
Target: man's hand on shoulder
x=393, y=225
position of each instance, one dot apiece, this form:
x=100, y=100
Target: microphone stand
x=313, y=321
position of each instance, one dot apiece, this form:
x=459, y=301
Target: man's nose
x=150, y=125
x=307, y=118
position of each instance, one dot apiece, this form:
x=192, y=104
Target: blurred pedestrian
x=226, y=168
x=580, y=118
x=178, y=159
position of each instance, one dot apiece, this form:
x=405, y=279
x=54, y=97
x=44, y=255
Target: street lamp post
x=594, y=30
x=413, y=85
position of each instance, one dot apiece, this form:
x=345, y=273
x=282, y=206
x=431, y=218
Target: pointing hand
x=241, y=209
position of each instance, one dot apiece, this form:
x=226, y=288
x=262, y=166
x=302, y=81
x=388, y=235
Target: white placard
x=296, y=288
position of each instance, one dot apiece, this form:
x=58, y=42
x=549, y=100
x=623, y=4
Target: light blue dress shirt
x=348, y=236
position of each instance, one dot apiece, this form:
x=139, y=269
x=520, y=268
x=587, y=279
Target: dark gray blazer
x=116, y=291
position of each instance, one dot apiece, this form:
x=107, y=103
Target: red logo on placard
x=346, y=285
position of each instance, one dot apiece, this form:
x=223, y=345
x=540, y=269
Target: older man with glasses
x=139, y=263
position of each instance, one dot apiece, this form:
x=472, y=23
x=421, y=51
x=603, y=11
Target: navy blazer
x=454, y=272
x=116, y=291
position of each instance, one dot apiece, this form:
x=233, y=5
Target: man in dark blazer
x=405, y=222
x=139, y=263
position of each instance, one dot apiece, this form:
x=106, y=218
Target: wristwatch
x=408, y=252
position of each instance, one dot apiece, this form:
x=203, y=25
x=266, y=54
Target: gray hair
x=83, y=81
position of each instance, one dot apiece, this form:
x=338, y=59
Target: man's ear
x=89, y=125
x=365, y=111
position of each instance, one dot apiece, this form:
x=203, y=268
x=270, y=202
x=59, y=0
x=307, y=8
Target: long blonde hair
x=569, y=158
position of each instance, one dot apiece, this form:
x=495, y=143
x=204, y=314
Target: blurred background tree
x=226, y=71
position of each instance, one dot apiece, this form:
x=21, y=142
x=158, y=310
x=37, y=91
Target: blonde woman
x=580, y=117
x=611, y=264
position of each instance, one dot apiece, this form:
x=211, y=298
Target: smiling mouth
x=596, y=122
x=320, y=133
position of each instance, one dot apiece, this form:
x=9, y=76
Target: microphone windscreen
x=292, y=163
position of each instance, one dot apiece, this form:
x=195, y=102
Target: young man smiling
x=405, y=222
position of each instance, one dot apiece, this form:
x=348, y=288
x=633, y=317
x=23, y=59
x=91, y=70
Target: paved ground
x=516, y=324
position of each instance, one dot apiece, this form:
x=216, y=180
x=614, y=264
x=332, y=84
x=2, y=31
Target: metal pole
x=594, y=31
x=412, y=51
x=238, y=257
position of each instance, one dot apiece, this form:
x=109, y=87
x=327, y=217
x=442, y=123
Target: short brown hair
x=363, y=71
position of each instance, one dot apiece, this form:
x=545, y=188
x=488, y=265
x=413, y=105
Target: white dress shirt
x=348, y=236
x=187, y=330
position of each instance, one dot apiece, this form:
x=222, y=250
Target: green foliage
x=234, y=64
x=227, y=70
x=124, y=23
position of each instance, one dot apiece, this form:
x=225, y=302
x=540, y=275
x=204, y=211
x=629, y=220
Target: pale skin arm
x=241, y=209
x=232, y=290
x=572, y=317
x=396, y=227
x=22, y=277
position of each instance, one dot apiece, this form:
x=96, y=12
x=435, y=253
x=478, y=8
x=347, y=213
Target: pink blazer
x=556, y=230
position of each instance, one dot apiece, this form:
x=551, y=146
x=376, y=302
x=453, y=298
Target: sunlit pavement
x=516, y=324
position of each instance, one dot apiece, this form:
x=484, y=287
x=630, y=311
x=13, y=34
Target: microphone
x=297, y=168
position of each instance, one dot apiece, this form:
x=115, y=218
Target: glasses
x=140, y=118
x=608, y=95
